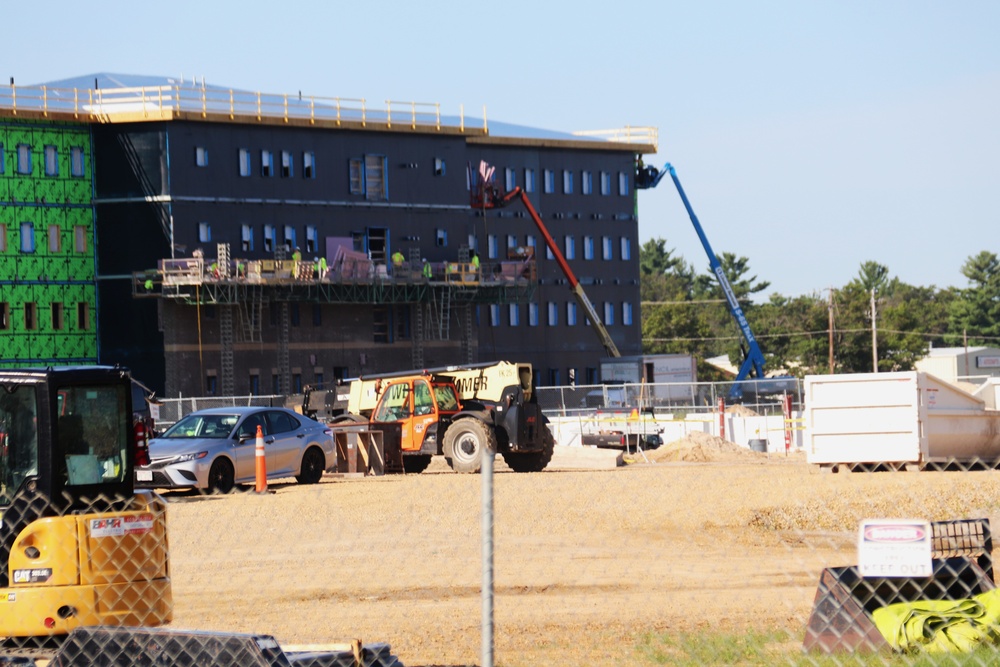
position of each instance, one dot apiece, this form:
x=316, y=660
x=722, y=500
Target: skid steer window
x=93, y=433
x=18, y=440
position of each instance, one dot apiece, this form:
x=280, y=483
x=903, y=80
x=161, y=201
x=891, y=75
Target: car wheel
x=313, y=465
x=221, y=477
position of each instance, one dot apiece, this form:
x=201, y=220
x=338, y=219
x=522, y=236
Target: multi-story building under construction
x=185, y=230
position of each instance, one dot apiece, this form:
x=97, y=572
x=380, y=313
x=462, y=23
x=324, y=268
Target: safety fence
x=762, y=396
x=741, y=560
x=166, y=411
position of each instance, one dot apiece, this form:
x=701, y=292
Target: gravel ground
x=589, y=565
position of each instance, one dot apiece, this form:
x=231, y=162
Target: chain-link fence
x=762, y=396
x=704, y=552
x=170, y=410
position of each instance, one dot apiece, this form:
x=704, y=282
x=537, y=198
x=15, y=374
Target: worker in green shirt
x=397, y=261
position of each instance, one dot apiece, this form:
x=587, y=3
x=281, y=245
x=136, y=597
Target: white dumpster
x=897, y=419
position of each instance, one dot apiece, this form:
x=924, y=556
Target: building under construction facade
x=244, y=242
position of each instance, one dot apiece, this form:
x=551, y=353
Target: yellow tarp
x=941, y=626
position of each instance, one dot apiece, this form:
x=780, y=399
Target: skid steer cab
x=78, y=546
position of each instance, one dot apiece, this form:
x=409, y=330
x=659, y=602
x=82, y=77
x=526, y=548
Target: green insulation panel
x=48, y=289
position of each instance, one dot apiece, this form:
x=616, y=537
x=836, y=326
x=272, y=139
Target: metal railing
x=167, y=101
x=163, y=102
x=629, y=134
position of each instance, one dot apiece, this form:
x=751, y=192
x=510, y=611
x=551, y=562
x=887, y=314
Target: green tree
x=793, y=334
x=975, y=315
x=718, y=318
x=874, y=276
x=735, y=269
x=671, y=322
x=903, y=318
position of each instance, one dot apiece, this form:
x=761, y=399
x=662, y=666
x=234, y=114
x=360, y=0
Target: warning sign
x=894, y=548
x=116, y=526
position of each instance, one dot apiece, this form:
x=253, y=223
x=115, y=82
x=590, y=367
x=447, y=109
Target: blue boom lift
x=753, y=359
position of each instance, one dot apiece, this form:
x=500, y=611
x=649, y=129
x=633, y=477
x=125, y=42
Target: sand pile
x=700, y=446
x=741, y=411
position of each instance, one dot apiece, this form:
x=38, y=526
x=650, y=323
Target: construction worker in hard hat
x=427, y=269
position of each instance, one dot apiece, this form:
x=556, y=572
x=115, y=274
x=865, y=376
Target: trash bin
x=758, y=445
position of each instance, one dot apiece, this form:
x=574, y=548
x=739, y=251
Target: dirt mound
x=699, y=446
x=741, y=411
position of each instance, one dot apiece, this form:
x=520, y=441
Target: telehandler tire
x=532, y=461
x=464, y=443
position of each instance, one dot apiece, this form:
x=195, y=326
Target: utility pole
x=874, y=337
x=965, y=344
x=830, y=308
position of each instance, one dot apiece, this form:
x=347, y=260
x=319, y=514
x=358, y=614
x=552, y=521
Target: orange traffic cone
x=261, y=459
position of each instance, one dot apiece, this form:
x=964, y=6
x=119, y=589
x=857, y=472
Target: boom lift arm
x=485, y=195
x=753, y=359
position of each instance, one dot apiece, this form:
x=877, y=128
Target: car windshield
x=18, y=440
x=203, y=426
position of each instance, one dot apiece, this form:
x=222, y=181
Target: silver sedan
x=215, y=449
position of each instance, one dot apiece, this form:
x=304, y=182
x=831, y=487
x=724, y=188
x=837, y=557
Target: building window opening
x=51, y=161
x=529, y=180
x=30, y=316
x=55, y=242
x=27, y=237
x=57, y=316
x=245, y=166
x=246, y=238
x=83, y=316
x=24, y=159
x=269, y=238
x=550, y=181
x=76, y=164
x=312, y=239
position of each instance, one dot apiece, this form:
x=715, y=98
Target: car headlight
x=183, y=458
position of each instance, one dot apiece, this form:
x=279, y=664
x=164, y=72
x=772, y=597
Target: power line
x=794, y=334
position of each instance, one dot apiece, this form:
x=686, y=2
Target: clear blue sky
x=809, y=136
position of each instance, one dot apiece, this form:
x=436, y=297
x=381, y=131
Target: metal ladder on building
x=222, y=260
x=443, y=313
x=284, y=371
x=251, y=311
x=417, y=351
x=226, y=345
x=467, y=350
